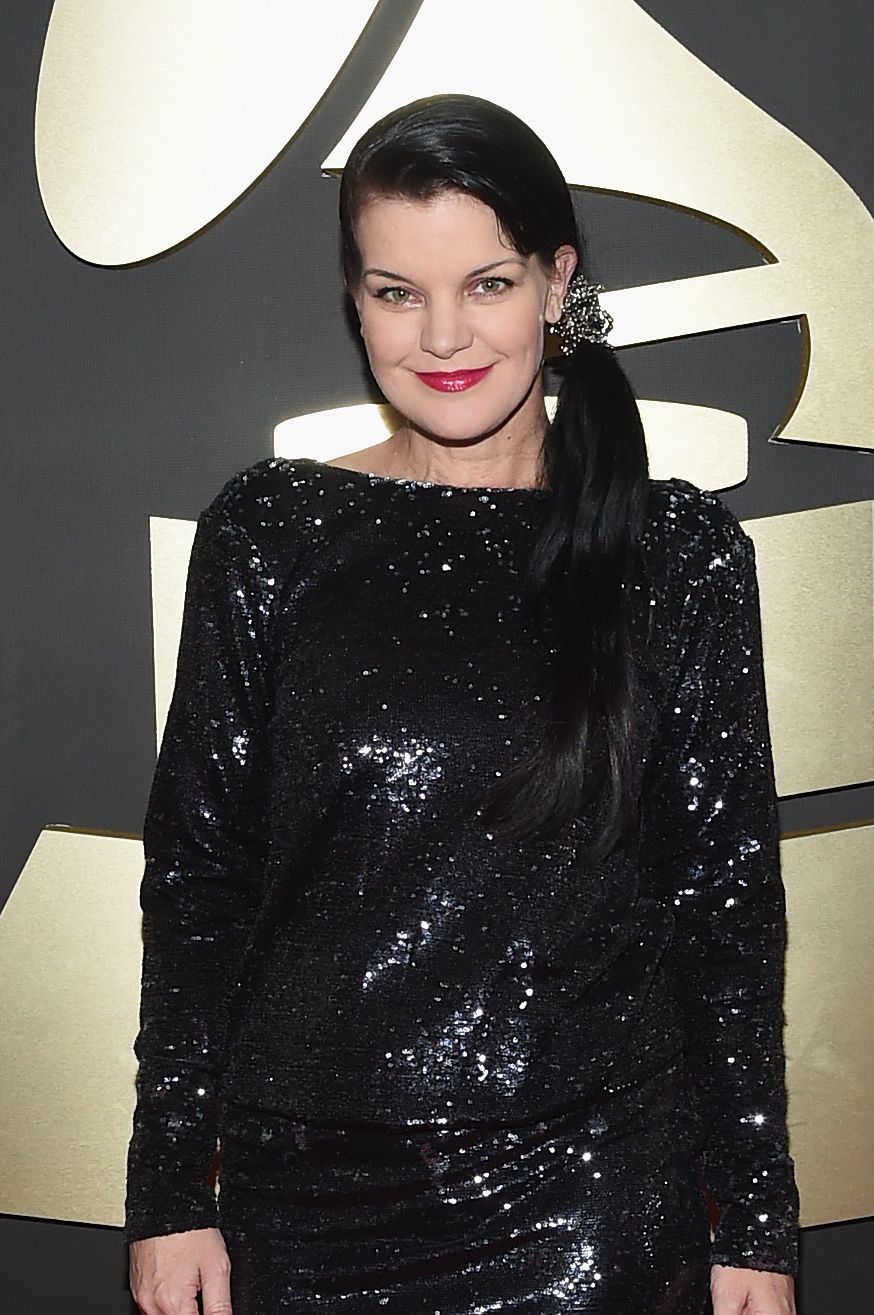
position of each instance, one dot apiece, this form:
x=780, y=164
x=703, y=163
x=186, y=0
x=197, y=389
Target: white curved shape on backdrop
x=698, y=443
x=151, y=119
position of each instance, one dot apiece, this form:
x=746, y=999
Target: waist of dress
x=609, y=1110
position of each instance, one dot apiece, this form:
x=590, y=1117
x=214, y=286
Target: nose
x=445, y=329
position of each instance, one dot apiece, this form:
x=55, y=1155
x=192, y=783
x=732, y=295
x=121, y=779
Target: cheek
x=388, y=338
x=518, y=334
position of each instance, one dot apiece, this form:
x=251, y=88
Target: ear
x=565, y=262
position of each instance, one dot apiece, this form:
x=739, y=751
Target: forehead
x=451, y=230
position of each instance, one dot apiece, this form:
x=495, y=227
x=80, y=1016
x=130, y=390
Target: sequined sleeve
x=711, y=843
x=203, y=846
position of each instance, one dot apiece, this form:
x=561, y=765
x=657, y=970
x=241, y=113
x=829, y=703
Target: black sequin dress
x=447, y=1072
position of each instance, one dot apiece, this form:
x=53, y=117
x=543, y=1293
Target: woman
x=463, y=916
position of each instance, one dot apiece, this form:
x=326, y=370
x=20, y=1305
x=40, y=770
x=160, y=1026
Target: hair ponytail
x=596, y=462
x=594, y=459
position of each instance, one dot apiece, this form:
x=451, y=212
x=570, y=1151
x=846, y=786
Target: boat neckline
x=407, y=481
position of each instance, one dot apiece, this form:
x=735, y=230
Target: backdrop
x=172, y=312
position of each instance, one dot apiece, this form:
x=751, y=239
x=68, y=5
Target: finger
x=145, y=1307
x=216, y=1291
x=728, y=1305
x=144, y=1304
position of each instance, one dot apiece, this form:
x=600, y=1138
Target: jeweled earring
x=583, y=318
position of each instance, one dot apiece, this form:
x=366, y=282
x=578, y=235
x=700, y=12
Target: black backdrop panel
x=134, y=392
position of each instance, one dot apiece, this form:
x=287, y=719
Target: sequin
x=455, y=1073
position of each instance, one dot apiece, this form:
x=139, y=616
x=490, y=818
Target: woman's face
x=442, y=293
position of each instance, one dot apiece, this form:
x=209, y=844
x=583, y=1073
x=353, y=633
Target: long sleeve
x=204, y=858
x=710, y=845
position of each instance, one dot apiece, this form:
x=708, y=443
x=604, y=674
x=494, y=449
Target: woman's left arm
x=710, y=845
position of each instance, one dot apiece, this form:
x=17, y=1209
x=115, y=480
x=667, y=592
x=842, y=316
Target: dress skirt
x=592, y=1210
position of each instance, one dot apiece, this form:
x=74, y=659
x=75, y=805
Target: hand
x=736, y=1291
x=166, y=1273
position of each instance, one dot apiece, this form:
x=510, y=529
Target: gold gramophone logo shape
x=151, y=122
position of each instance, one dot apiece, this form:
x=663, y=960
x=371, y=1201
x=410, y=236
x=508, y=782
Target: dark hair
x=594, y=459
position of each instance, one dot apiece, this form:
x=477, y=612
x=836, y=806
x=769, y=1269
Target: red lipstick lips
x=454, y=381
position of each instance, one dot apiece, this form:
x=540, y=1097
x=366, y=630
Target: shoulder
x=693, y=532
x=267, y=494
x=698, y=565
x=269, y=514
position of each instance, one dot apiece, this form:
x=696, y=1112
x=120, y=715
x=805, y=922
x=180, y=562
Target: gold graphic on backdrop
x=829, y=1007
x=151, y=119
x=626, y=108
x=70, y=1019
x=140, y=143
x=171, y=542
x=132, y=104
x=708, y=446
x=70, y=955
x=817, y=591
x=71, y=995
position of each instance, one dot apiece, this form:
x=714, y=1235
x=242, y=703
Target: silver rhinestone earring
x=582, y=317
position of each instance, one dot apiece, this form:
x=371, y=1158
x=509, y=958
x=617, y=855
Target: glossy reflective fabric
x=450, y=1072
x=573, y=1213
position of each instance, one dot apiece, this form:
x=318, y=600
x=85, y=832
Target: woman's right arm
x=204, y=862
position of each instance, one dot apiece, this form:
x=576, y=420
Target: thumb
x=216, y=1293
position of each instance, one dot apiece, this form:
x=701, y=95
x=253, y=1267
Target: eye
x=385, y=294
x=494, y=286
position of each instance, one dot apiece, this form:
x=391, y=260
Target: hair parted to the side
x=594, y=459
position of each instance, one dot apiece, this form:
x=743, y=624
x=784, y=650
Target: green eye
x=497, y=285
x=384, y=295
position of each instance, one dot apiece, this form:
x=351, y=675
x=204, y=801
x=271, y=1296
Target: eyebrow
x=483, y=269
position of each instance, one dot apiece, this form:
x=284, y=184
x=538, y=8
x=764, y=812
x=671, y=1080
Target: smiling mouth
x=452, y=381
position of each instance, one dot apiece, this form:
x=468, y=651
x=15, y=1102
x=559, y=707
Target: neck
x=510, y=456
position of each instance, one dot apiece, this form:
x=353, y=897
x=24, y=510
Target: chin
x=465, y=427
x=456, y=417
